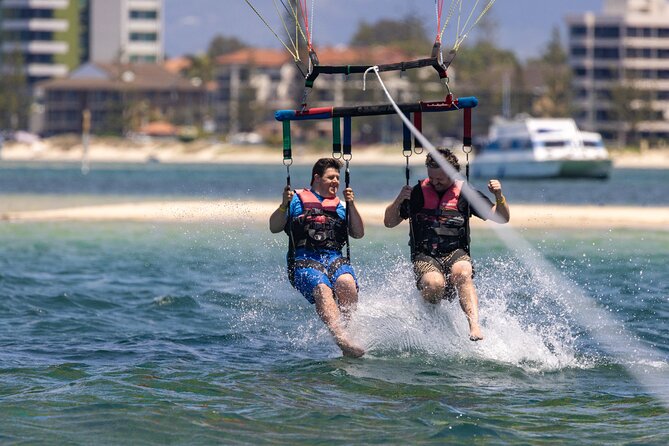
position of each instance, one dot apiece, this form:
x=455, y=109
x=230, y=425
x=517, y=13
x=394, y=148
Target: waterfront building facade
x=121, y=98
x=47, y=38
x=127, y=31
x=620, y=67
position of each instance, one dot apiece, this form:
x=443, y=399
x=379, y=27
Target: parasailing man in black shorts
x=438, y=214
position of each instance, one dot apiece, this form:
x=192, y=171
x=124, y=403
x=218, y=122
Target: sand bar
x=257, y=212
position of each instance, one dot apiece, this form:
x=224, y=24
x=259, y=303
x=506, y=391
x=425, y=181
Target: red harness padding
x=448, y=201
x=310, y=201
x=440, y=226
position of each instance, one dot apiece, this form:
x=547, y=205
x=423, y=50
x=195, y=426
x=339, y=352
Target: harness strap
x=334, y=266
x=336, y=138
x=308, y=263
x=406, y=135
x=318, y=266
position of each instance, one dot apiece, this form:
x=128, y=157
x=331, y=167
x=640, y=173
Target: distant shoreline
x=120, y=151
x=523, y=216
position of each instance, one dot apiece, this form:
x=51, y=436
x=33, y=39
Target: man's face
x=328, y=184
x=439, y=179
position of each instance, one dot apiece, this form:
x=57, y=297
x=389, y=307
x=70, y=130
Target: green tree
x=201, y=66
x=220, y=45
x=482, y=70
x=408, y=34
x=555, y=99
x=14, y=93
x=631, y=106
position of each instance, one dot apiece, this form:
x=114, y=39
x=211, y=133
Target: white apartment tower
x=619, y=56
x=127, y=31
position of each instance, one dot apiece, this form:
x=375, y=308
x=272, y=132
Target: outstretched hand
x=495, y=187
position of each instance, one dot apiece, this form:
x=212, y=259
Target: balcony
x=144, y=26
x=144, y=4
x=36, y=47
x=47, y=70
x=44, y=25
x=40, y=4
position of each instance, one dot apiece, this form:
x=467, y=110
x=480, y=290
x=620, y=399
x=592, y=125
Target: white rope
x=311, y=23
x=639, y=360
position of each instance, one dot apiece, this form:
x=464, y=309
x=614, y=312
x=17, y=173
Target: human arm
x=392, y=216
x=500, y=211
x=356, y=227
x=277, y=221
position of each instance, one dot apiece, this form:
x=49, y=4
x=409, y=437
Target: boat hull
x=599, y=169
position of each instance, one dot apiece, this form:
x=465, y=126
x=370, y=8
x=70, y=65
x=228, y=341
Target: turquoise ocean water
x=188, y=333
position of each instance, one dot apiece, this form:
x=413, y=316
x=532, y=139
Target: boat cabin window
x=492, y=146
x=516, y=144
x=593, y=143
x=558, y=143
x=511, y=145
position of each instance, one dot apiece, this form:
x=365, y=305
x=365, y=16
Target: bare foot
x=349, y=349
x=475, y=333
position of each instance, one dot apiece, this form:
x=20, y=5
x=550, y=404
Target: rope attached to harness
x=467, y=148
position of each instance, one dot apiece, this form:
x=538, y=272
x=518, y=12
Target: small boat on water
x=541, y=148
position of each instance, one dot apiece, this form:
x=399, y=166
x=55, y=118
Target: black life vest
x=439, y=227
x=319, y=226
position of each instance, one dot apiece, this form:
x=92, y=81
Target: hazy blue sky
x=522, y=25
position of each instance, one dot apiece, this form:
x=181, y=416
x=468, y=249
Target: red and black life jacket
x=319, y=226
x=439, y=227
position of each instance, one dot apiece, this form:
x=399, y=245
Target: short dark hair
x=324, y=164
x=446, y=153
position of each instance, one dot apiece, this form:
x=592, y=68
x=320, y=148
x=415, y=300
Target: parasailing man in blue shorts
x=438, y=214
x=315, y=221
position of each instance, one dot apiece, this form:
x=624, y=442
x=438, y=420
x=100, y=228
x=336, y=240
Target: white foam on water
x=393, y=319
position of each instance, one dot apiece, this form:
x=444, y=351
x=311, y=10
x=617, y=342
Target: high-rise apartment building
x=620, y=65
x=126, y=31
x=50, y=38
x=46, y=36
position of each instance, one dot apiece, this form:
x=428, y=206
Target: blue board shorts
x=308, y=278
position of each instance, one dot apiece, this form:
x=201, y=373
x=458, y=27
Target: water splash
x=392, y=319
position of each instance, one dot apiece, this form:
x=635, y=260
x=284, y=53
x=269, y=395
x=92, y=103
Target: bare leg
x=432, y=287
x=347, y=295
x=328, y=311
x=461, y=276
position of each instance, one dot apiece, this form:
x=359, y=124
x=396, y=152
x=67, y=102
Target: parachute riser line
x=287, y=150
x=347, y=182
x=467, y=148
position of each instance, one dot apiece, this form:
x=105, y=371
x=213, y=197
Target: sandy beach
x=224, y=211
x=115, y=150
